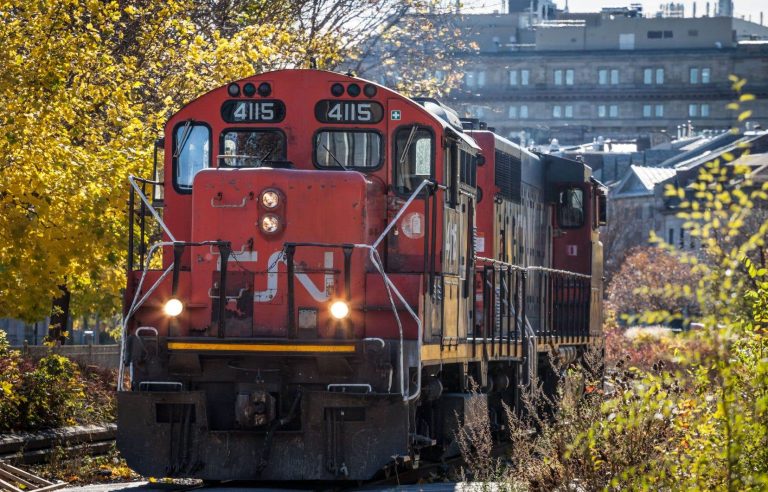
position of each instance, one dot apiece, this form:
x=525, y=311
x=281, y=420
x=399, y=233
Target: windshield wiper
x=408, y=144
x=184, y=138
x=334, y=157
x=268, y=154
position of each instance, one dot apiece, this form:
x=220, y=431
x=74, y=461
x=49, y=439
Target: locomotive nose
x=274, y=218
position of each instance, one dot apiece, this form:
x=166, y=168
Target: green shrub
x=10, y=381
x=51, y=392
x=54, y=393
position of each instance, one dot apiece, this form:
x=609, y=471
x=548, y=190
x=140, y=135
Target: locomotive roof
x=302, y=73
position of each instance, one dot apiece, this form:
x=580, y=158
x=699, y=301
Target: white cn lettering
x=272, y=280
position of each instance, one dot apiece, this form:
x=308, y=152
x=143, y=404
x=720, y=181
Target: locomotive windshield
x=249, y=148
x=338, y=149
x=413, y=158
x=192, y=152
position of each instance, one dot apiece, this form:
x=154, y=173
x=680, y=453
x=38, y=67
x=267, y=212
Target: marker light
x=369, y=90
x=265, y=89
x=337, y=89
x=339, y=310
x=353, y=90
x=270, y=199
x=270, y=223
x=249, y=89
x=173, y=307
x=233, y=90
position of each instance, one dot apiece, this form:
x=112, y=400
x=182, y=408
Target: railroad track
x=35, y=447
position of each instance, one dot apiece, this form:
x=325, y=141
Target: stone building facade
x=582, y=76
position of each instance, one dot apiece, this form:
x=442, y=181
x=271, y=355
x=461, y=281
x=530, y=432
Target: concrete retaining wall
x=106, y=356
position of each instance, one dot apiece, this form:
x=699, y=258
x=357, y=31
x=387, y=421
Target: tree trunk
x=57, y=328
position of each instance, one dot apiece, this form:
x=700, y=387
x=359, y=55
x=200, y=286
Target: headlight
x=270, y=199
x=270, y=223
x=339, y=310
x=173, y=307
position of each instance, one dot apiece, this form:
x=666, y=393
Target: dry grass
x=552, y=446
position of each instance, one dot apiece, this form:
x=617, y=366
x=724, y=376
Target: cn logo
x=572, y=250
x=272, y=277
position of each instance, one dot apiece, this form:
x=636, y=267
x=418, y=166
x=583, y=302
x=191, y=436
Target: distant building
x=575, y=77
x=638, y=204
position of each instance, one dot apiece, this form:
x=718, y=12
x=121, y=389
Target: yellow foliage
x=85, y=89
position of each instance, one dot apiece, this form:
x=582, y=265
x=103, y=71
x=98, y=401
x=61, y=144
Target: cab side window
x=570, y=210
x=413, y=158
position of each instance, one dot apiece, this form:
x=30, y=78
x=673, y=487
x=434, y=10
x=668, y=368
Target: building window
x=699, y=75
x=564, y=77
x=512, y=112
x=693, y=32
x=701, y=110
x=607, y=76
x=653, y=76
x=562, y=111
x=474, y=78
x=654, y=34
x=611, y=111
x=653, y=111
x=523, y=112
x=519, y=77
x=671, y=239
x=614, y=76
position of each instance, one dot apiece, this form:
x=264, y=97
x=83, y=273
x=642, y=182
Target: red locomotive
x=335, y=264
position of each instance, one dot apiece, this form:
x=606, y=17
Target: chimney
x=761, y=18
x=694, y=10
x=707, y=9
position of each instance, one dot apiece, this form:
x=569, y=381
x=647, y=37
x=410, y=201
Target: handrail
x=512, y=266
x=392, y=290
x=242, y=203
x=132, y=179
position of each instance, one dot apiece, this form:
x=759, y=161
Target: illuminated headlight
x=270, y=199
x=270, y=223
x=173, y=307
x=339, y=309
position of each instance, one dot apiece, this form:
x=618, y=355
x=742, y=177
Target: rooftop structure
x=616, y=74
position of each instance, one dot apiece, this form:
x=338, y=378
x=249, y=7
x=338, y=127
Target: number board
x=334, y=111
x=250, y=111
